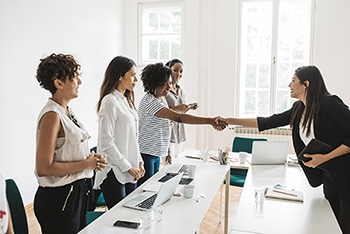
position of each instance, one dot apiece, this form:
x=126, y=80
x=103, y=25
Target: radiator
x=275, y=134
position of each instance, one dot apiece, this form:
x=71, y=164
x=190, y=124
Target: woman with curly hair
x=64, y=166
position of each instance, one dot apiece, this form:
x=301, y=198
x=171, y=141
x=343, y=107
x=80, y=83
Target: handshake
x=219, y=123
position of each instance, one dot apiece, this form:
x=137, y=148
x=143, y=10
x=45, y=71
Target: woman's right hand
x=135, y=172
x=97, y=161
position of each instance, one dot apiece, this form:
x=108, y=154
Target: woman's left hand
x=142, y=170
x=316, y=160
x=168, y=159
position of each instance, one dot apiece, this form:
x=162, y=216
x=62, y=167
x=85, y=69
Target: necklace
x=71, y=116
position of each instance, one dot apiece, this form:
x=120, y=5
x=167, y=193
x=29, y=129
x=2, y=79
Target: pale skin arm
x=318, y=159
x=184, y=108
x=190, y=119
x=247, y=122
x=50, y=128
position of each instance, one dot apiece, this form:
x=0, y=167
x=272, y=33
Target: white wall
x=90, y=30
x=96, y=31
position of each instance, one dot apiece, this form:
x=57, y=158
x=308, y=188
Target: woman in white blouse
x=117, y=132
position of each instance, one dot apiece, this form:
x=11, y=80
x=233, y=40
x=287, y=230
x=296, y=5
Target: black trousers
x=62, y=209
x=338, y=195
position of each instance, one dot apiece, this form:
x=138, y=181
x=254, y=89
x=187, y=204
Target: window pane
x=255, y=57
x=161, y=28
x=164, y=49
x=265, y=68
x=293, y=46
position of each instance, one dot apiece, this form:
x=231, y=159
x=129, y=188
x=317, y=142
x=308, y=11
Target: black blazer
x=332, y=127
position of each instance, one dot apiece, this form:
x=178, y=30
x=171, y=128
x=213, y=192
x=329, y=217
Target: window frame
x=155, y=4
x=274, y=54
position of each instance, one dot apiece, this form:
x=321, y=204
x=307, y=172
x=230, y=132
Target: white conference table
x=313, y=215
x=180, y=215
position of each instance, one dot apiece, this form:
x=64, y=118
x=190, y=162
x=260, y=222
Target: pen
x=285, y=192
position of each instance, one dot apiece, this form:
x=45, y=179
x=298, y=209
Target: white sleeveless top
x=73, y=147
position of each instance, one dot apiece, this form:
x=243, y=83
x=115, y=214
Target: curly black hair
x=154, y=76
x=56, y=66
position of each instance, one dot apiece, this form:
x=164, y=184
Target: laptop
x=198, y=154
x=176, y=169
x=269, y=152
x=146, y=200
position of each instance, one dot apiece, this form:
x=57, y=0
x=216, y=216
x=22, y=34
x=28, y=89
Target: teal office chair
x=18, y=213
x=239, y=144
x=237, y=176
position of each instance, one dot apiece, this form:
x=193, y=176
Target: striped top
x=154, y=132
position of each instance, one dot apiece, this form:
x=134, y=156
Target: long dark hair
x=315, y=91
x=116, y=69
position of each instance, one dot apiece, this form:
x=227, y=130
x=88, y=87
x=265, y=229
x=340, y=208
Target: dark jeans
x=113, y=191
x=62, y=209
x=151, y=165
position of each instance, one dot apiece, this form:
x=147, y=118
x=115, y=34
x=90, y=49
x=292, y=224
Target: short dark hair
x=56, y=66
x=172, y=62
x=154, y=76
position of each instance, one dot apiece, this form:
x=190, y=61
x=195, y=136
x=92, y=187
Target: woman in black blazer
x=317, y=114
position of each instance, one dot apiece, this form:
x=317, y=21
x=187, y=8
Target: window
x=160, y=33
x=275, y=39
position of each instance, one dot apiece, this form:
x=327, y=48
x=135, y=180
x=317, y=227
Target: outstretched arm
x=190, y=119
x=247, y=122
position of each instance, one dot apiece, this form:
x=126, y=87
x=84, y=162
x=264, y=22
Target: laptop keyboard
x=148, y=203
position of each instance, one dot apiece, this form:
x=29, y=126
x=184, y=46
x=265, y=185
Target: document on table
x=285, y=195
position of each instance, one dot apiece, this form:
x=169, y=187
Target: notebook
x=146, y=200
x=314, y=147
x=269, y=152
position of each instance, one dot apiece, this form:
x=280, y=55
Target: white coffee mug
x=188, y=191
x=242, y=157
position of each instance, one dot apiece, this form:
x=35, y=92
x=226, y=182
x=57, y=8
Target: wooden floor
x=209, y=225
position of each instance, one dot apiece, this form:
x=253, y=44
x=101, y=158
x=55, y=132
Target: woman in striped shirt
x=155, y=118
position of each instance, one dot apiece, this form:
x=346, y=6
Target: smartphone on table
x=126, y=224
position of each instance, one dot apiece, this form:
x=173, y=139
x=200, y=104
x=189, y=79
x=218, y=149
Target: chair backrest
x=244, y=144
x=18, y=213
